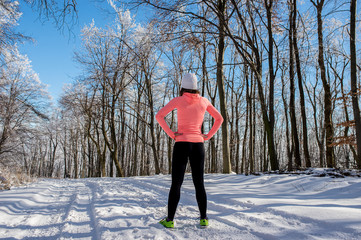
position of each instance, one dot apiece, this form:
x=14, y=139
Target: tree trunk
x=269, y=6
x=268, y=128
x=294, y=132
x=152, y=125
x=136, y=140
x=114, y=141
x=354, y=90
x=66, y=174
x=248, y=99
x=288, y=145
x=221, y=89
x=300, y=88
x=330, y=159
x=345, y=133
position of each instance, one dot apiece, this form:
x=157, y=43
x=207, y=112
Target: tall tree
x=22, y=102
x=330, y=158
x=269, y=4
x=220, y=82
x=251, y=54
x=300, y=85
x=294, y=131
x=354, y=89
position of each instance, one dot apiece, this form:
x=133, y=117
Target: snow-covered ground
x=239, y=207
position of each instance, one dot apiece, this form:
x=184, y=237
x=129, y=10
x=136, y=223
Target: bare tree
x=294, y=131
x=330, y=158
x=354, y=89
x=22, y=100
x=64, y=14
x=251, y=54
x=300, y=84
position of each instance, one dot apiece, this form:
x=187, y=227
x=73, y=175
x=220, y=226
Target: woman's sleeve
x=217, y=117
x=161, y=115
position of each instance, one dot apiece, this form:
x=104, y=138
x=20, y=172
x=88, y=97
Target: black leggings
x=181, y=152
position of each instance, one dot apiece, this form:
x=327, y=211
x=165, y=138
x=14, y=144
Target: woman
x=191, y=108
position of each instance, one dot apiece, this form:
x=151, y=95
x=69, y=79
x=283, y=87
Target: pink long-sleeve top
x=190, y=111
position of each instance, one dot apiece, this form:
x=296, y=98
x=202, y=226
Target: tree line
x=284, y=75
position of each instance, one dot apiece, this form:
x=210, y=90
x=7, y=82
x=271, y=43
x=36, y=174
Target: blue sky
x=52, y=52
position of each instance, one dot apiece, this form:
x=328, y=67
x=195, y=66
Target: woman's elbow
x=159, y=116
x=220, y=119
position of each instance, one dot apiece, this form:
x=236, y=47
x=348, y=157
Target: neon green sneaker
x=167, y=224
x=204, y=222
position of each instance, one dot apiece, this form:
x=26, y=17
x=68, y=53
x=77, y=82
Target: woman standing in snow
x=191, y=108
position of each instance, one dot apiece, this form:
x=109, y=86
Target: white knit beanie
x=189, y=81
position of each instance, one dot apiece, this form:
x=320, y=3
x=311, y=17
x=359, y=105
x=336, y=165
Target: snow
x=239, y=207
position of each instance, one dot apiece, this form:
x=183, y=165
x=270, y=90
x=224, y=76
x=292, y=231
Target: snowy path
x=239, y=207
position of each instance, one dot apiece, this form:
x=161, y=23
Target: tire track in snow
x=79, y=218
x=91, y=210
x=127, y=196
x=39, y=211
x=70, y=206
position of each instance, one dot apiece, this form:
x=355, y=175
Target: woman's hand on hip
x=176, y=134
x=205, y=137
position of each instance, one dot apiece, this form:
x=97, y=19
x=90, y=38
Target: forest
x=284, y=74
